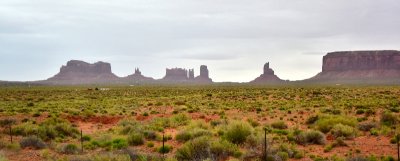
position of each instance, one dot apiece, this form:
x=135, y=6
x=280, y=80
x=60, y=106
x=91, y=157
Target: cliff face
x=360, y=65
x=80, y=72
x=181, y=75
x=204, y=77
x=268, y=77
x=361, y=60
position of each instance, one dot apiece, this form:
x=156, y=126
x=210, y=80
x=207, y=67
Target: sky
x=234, y=38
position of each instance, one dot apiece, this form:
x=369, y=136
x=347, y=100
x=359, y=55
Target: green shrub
x=69, y=149
x=340, y=130
x=312, y=120
x=86, y=138
x=180, y=119
x=310, y=137
x=165, y=149
x=325, y=124
x=283, y=155
x=388, y=118
x=119, y=143
x=237, y=132
x=279, y=125
x=150, y=144
x=204, y=147
x=223, y=149
x=33, y=142
x=298, y=155
x=367, y=126
x=150, y=135
x=183, y=136
x=2, y=157
x=328, y=148
x=196, y=149
x=135, y=139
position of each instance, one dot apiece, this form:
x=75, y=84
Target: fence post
x=265, y=145
x=398, y=146
x=11, y=138
x=82, y=141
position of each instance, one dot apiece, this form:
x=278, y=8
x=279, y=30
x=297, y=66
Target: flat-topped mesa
x=180, y=75
x=80, y=72
x=268, y=76
x=176, y=74
x=360, y=65
x=361, y=60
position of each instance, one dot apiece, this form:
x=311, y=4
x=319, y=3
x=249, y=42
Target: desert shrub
x=2, y=157
x=49, y=129
x=129, y=126
x=388, y=118
x=223, y=149
x=165, y=149
x=7, y=122
x=86, y=138
x=298, y=156
x=150, y=135
x=325, y=124
x=62, y=128
x=119, y=143
x=279, y=125
x=150, y=144
x=183, y=136
x=367, y=126
x=196, y=149
x=106, y=157
x=340, y=130
x=69, y=149
x=203, y=148
x=33, y=142
x=159, y=123
x=339, y=142
x=237, y=132
x=135, y=139
x=283, y=155
x=253, y=123
x=200, y=132
x=312, y=119
x=180, y=119
x=357, y=158
x=310, y=137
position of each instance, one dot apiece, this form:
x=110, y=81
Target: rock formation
x=80, y=72
x=204, y=75
x=137, y=78
x=268, y=76
x=175, y=75
x=181, y=75
x=383, y=65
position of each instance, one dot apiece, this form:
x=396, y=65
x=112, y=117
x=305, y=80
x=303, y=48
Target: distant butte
x=361, y=66
x=342, y=67
x=80, y=72
x=268, y=76
x=137, y=78
x=181, y=75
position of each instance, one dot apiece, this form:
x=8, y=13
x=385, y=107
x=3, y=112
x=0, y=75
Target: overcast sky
x=234, y=38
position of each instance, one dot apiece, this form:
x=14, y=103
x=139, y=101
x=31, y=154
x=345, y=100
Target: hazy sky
x=234, y=38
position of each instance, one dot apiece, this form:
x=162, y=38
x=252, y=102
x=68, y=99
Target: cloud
x=233, y=37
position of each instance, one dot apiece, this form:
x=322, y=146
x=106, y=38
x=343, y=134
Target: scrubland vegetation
x=199, y=123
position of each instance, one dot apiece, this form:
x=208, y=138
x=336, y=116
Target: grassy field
x=199, y=123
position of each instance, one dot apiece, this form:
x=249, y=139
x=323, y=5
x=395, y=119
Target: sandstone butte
x=380, y=67
x=362, y=66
